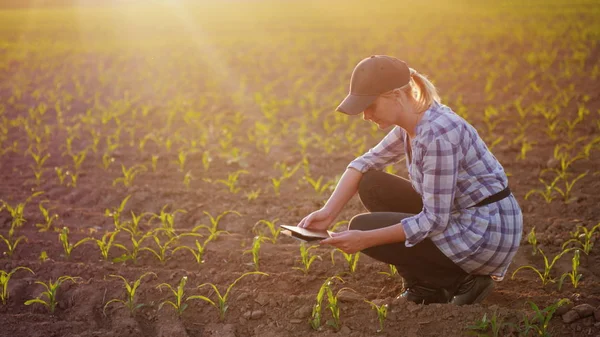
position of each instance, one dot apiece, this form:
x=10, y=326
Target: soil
x=278, y=304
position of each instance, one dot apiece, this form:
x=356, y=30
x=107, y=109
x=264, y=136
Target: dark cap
x=372, y=77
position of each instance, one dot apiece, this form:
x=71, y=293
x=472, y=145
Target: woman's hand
x=350, y=241
x=317, y=220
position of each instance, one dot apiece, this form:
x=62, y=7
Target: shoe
x=423, y=295
x=473, y=289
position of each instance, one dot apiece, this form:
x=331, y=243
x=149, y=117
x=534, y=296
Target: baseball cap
x=372, y=77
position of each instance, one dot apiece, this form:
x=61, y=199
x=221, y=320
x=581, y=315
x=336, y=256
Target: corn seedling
x=48, y=219
x=526, y=146
x=62, y=174
x=130, y=288
x=273, y=229
x=546, y=193
x=276, y=184
x=167, y=220
x=566, y=193
x=12, y=243
x=316, y=316
x=107, y=159
x=161, y=251
x=115, y=213
x=573, y=275
x=493, y=325
x=232, y=181
x=198, y=253
x=532, y=240
x=539, y=323
x=221, y=303
x=68, y=247
x=214, y=223
x=252, y=195
x=78, y=159
x=206, y=160
x=50, y=293
x=393, y=271
x=317, y=185
x=181, y=158
x=187, y=179
x=333, y=306
x=584, y=238
x=179, y=293
x=43, y=256
x=106, y=243
x=5, y=278
x=16, y=212
x=132, y=254
x=256, y=243
x=154, y=162
x=545, y=274
x=339, y=224
x=306, y=259
x=351, y=259
x=381, y=311
x=129, y=174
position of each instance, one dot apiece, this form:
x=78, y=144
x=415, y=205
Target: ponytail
x=425, y=92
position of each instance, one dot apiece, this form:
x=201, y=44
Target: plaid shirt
x=452, y=169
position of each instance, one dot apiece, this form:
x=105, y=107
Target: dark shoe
x=473, y=289
x=424, y=295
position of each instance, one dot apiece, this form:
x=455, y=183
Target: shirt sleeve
x=387, y=152
x=440, y=171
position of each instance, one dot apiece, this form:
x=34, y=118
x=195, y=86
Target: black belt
x=493, y=198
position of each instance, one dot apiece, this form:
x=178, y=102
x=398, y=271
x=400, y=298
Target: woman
x=454, y=227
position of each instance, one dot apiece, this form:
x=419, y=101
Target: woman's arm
x=344, y=191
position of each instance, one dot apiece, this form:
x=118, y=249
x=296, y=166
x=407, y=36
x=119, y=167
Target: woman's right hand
x=317, y=220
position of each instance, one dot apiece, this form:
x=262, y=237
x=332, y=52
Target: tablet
x=304, y=234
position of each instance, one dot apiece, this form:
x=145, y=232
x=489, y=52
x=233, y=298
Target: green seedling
x=232, y=181
x=106, y=243
x=317, y=185
x=48, y=219
x=393, y=271
x=107, y=159
x=130, y=288
x=134, y=224
x=258, y=240
x=584, y=238
x=167, y=220
x=62, y=174
x=198, y=253
x=17, y=212
x=526, y=146
x=574, y=274
x=214, y=223
x=12, y=243
x=179, y=294
x=316, y=316
x=547, y=192
x=221, y=303
x=154, y=162
x=50, y=293
x=129, y=174
x=132, y=254
x=351, y=259
x=381, y=311
x=68, y=247
x=339, y=224
x=493, y=325
x=115, y=213
x=566, y=192
x=5, y=278
x=43, y=256
x=276, y=184
x=162, y=248
x=545, y=274
x=206, y=160
x=181, y=158
x=78, y=159
x=252, y=195
x=274, y=230
x=532, y=240
x=187, y=179
x=539, y=323
x=306, y=259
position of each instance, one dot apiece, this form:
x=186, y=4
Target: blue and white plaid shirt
x=452, y=169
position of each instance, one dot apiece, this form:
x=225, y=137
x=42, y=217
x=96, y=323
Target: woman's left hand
x=350, y=241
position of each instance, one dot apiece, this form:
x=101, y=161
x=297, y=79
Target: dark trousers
x=389, y=199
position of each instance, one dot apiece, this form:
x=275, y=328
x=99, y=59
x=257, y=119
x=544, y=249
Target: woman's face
x=383, y=111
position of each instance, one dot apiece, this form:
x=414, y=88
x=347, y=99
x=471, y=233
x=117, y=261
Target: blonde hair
x=420, y=88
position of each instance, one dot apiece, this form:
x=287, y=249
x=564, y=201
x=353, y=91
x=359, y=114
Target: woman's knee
x=360, y=222
x=368, y=180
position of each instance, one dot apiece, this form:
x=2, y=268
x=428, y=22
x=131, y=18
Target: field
x=160, y=140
